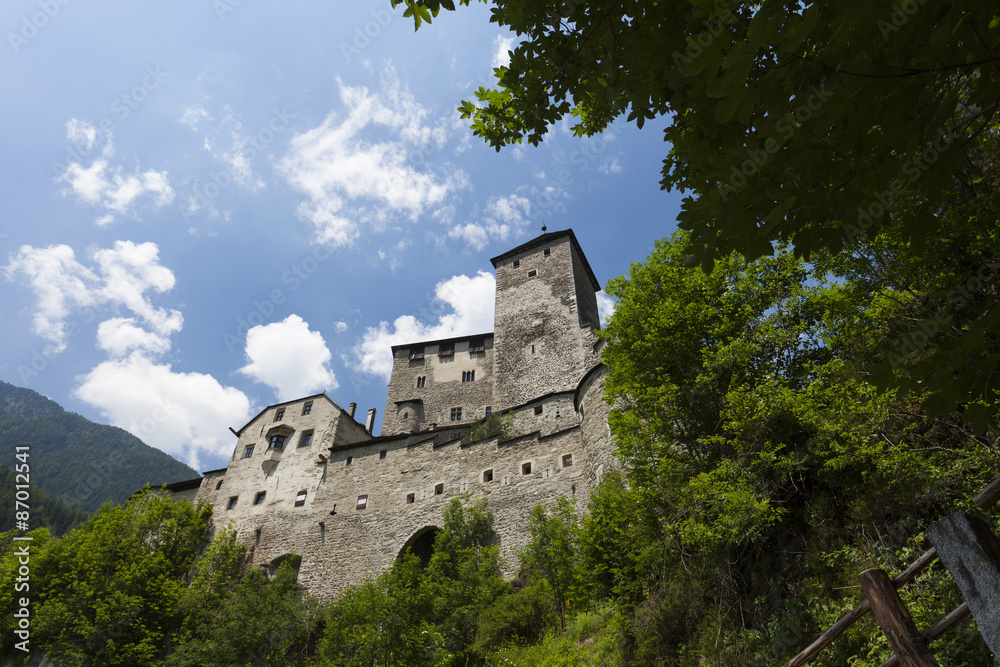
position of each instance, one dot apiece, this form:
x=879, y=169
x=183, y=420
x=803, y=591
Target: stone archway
x=421, y=543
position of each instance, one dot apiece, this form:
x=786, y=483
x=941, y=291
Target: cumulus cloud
x=123, y=275
x=182, y=414
x=290, y=358
x=505, y=218
x=605, y=305
x=501, y=50
x=466, y=305
x=368, y=164
x=340, y=326
x=120, y=335
x=109, y=186
x=81, y=133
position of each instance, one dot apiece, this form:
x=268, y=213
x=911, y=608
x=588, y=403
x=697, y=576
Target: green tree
x=107, y=593
x=553, y=554
x=816, y=125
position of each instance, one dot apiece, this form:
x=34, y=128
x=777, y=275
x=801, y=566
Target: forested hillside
x=75, y=460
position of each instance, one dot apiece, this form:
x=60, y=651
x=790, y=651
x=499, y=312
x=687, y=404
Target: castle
x=306, y=478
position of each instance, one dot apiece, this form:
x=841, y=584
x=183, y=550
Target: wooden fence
x=881, y=598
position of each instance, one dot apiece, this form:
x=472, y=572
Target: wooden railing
x=986, y=499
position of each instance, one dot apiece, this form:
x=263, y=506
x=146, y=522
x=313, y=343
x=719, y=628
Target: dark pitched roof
x=546, y=239
x=441, y=340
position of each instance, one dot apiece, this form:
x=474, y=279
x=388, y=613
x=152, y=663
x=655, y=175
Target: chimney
x=370, y=422
x=352, y=408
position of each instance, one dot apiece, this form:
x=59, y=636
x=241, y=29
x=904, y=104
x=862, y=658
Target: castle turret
x=546, y=314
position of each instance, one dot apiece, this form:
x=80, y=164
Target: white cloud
x=120, y=335
x=501, y=48
x=605, y=305
x=611, y=166
x=59, y=283
x=183, y=414
x=290, y=358
x=368, y=164
x=505, y=218
x=470, y=302
x=123, y=275
x=81, y=132
x=106, y=186
x=193, y=116
x=340, y=327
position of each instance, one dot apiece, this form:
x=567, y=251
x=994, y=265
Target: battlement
x=305, y=477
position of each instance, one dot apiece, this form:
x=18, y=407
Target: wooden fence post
x=971, y=552
x=894, y=619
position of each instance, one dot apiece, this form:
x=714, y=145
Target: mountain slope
x=73, y=459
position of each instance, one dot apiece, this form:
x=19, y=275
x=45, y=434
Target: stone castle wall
x=348, y=502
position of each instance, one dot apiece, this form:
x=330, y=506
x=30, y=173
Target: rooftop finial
x=543, y=227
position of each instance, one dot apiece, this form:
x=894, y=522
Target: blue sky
x=213, y=206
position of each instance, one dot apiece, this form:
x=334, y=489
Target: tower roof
x=549, y=238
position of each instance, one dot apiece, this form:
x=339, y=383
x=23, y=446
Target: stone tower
x=546, y=314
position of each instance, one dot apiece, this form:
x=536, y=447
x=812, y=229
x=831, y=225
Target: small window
x=306, y=439
x=248, y=452
x=468, y=376
x=532, y=349
x=477, y=345
x=417, y=352
x=421, y=381
x=456, y=414
x=350, y=460
x=532, y=273
x=382, y=453
x=538, y=409
x=277, y=441
x=438, y=489
x=232, y=502
x=322, y=533
x=489, y=410
x=279, y=415
x=487, y=476
x=300, y=498
x=546, y=252
x=259, y=498
x=446, y=349
x=256, y=538
x=219, y=485
x=409, y=498
x=517, y=263
x=406, y=415
x=526, y=468
x=567, y=460
x=307, y=408
x=362, y=502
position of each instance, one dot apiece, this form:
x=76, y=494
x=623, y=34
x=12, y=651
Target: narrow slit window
x=517, y=263
x=350, y=460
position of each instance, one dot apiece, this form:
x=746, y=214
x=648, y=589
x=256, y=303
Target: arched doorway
x=421, y=543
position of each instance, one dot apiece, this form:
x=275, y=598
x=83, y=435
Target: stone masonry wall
x=537, y=332
x=443, y=386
